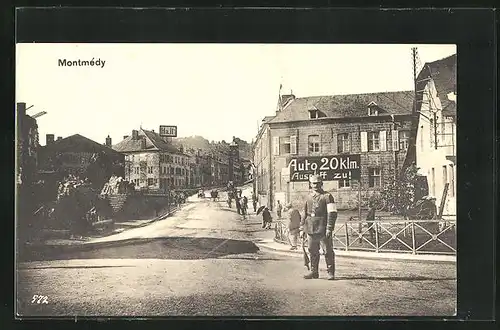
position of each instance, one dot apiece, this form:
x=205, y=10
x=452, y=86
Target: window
x=343, y=144
x=150, y=182
x=372, y=111
x=374, y=177
x=137, y=170
x=313, y=114
x=285, y=146
x=373, y=141
x=150, y=169
x=344, y=183
x=404, y=138
x=313, y=143
x=162, y=158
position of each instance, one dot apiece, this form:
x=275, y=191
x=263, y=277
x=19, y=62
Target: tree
x=399, y=194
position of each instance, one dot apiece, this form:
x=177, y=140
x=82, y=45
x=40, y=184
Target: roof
x=444, y=74
x=79, y=143
x=342, y=106
x=154, y=142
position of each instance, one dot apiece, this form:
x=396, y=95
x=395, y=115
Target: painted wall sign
x=330, y=168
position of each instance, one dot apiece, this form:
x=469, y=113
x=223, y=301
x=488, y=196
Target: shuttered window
x=343, y=143
x=373, y=141
x=383, y=140
x=276, y=145
x=395, y=140
x=314, y=144
x=364, y=141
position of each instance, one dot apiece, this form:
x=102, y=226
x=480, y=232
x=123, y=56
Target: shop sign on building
x=330, y=168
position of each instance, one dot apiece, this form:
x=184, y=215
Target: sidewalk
x=266, y=242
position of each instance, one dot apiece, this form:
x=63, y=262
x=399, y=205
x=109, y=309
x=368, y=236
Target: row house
x=377, y=126
x=152, y=163
x=436, y=130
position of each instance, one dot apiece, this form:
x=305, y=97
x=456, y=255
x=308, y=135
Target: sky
x=214, y=90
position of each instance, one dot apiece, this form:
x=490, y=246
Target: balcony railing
x=405, y=236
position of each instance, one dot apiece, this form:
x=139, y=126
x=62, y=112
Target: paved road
x=204, y=261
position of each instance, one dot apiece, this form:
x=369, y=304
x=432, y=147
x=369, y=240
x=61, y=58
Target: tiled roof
x=352, y=105
x=79, y=143
x=154, y=142
x=444, y=74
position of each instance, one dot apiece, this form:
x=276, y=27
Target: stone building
x=377, y=126
x=436, y=133
x=152, y=163
x=76, y=153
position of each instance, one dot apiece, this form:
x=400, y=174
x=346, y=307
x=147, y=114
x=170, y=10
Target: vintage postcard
x=236, y=179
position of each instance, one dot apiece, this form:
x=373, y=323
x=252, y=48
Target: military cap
x=315, y=178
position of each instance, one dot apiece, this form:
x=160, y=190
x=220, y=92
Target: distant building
x=377, y=126
x=436, y=133
x=76, y=154
x=153, y=163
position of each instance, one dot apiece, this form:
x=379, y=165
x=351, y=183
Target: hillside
x=199, y=142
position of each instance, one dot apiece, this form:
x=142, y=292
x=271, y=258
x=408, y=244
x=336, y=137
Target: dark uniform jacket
x=316, y=220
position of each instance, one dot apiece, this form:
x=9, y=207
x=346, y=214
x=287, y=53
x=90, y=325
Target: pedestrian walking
x=238, y=203
x=254, y=202
x=370, y=218
x=266, y=218
x=320, y=215
x=279, y=208
x=244, y=206
x=293, y=225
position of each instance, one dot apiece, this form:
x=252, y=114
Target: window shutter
x=276, y=145
x=364, y=141
x=320, y=143
x=395, y=140
x=383, y=140
x=293, y=144
x=334, y=144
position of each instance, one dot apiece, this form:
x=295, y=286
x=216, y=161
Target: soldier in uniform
x=318, y=222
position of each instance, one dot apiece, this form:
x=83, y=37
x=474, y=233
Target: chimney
x=135, y=134
x=108, y=141
x=21, y=109
x=181, y=148
x=59, y=138
x=125, y=136
x=143, y=143
x=49, y=139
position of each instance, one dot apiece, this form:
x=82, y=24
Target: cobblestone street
x=205, y=260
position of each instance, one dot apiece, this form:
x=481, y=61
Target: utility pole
x=414, y=58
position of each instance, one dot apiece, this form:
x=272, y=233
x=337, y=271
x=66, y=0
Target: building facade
x=376, y=126
x=80, y=156
x=436, y=131
x=152, y=163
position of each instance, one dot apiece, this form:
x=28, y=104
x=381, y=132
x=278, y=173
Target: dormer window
x=372, y=109
x=313, y=112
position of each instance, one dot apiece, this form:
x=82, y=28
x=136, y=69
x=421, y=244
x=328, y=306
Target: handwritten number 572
x=37, y=299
